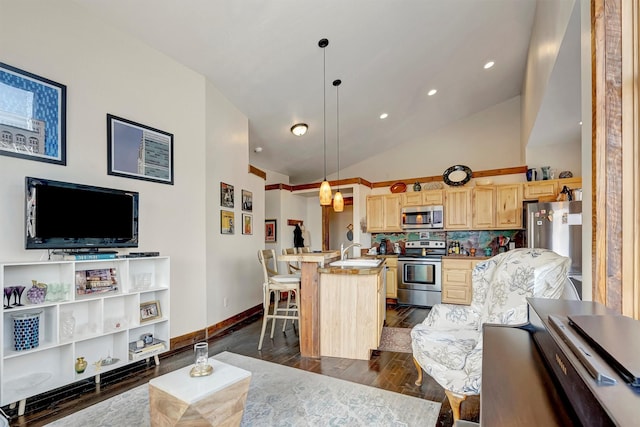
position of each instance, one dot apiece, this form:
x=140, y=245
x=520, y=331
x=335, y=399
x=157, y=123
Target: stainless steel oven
x=420, y=273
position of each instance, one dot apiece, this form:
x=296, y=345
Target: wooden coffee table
x=178, y=399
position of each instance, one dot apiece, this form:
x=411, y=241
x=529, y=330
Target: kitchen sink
x=357, y=262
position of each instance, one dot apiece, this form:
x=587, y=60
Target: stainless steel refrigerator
x=558, y=226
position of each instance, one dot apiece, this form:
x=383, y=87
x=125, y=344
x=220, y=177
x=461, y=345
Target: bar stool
x=275, y=283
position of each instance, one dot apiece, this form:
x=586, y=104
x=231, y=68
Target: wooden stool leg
x=284, y=324
x=455, y=400
x=419, y=368
x=276, y=300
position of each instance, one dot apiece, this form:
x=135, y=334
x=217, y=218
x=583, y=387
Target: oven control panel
x=433, y=244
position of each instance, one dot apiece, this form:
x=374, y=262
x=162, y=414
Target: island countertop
x=315, y=257
x=351, y=270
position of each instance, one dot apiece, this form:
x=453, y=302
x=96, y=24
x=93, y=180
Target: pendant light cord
x=338, y=129
x=324, y=106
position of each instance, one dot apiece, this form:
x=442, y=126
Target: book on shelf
x=146, y=351
x=90, y=256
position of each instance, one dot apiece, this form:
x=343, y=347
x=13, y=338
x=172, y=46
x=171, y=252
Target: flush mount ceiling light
x=325, y=187
x=338, y=200
x=299, y=129
x=489, y=65
x=432, y=92
x=384, y=115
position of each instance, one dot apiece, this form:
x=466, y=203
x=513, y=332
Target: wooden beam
x=258, y=172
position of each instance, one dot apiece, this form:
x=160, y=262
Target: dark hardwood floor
x=387, y=370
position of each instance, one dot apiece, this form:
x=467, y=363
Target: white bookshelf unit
x=104, y=325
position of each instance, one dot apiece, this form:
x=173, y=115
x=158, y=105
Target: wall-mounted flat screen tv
x=64, y=215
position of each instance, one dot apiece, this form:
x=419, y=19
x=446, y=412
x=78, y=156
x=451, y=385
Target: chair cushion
x=285, y=278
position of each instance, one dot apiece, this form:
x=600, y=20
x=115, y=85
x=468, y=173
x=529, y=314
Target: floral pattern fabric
x=448, y=344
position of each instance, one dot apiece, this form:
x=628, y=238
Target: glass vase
x=67, y=325
x=546, y=172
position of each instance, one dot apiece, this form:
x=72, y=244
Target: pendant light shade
x=325, y=187
x=338, y=200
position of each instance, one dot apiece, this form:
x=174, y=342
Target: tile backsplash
x=468, y=239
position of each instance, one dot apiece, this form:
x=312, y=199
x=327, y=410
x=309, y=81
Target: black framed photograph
x=138, y=151
x=33, y=116
x=247, y=201
x=226, y=222
x=226, y=195
x=270, y=230
x=247, y=223
x=150, y=310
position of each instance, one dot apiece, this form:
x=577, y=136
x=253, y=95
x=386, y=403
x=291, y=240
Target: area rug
x=395, y=339
x=280, y=396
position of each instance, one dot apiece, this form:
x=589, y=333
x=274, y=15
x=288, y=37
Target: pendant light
x=338, y=200
x=325, y=187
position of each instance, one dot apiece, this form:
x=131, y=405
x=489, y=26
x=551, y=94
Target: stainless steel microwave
x=420, y=217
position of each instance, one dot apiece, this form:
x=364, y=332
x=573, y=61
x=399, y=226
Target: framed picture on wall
x=33, y=116
x=138, y=151
x=270, y=230
x=247, y=223
x=226, y=195
x=226, y=222
x=247, y=201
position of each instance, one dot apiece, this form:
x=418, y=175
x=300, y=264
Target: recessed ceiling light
x=299, y=129
x=489, y=65
x=384, y=115
x=432, y=92
x=580, y=123
x=258, y=149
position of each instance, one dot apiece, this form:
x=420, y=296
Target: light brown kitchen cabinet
x=484, y=207
x=457, y=209
x=508, y=206
x=392, y=277
x=384, y=213
x=423, y=198
x=456, y=280
x=534, y=190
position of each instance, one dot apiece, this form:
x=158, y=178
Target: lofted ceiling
x=263, y=55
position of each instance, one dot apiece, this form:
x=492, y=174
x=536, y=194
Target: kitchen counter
x=351, y=270
x=481, y=258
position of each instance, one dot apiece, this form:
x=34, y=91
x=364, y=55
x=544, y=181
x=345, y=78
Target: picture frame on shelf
x=247, y=223
x=33, y=116
x=226, y=195
x=270, y=231
x=139, y=151
x=226, y=222
x=247, y=201
x=150, y=310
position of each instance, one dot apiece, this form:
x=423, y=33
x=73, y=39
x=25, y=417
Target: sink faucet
x=343, y=250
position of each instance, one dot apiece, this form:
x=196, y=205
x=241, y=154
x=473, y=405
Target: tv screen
x=63, y=215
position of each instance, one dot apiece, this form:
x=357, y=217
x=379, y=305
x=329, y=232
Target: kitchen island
x=352, y=310
x=309, y=304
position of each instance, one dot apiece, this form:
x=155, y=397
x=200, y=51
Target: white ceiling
x=264, y=56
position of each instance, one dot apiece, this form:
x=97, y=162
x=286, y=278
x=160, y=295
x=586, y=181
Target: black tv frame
x=75, y=244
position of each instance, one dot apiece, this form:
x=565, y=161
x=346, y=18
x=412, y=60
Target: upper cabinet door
x=457, y=209
x=375, y=212
x=484, y=207
x=393, y=212
x=509, y=206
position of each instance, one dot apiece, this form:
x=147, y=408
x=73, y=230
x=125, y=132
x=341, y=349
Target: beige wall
x=107, y=71
x=549, y=26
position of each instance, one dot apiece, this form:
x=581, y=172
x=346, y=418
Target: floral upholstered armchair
x=448, y=344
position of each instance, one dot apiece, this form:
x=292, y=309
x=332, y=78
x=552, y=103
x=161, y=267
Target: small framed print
x=226, y=222
x=149, y=311
x=33, y=111
x=138, y=151
x=270, y=230
x=226, y=195
x=247, y=201
x=247, y=224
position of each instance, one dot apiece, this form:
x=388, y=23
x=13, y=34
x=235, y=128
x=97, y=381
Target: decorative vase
x=532, y=175
x=417, y=187
x=67, y=325
x=26, y=330
x=37, y=293
x=546, y=172
x=81, y=365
